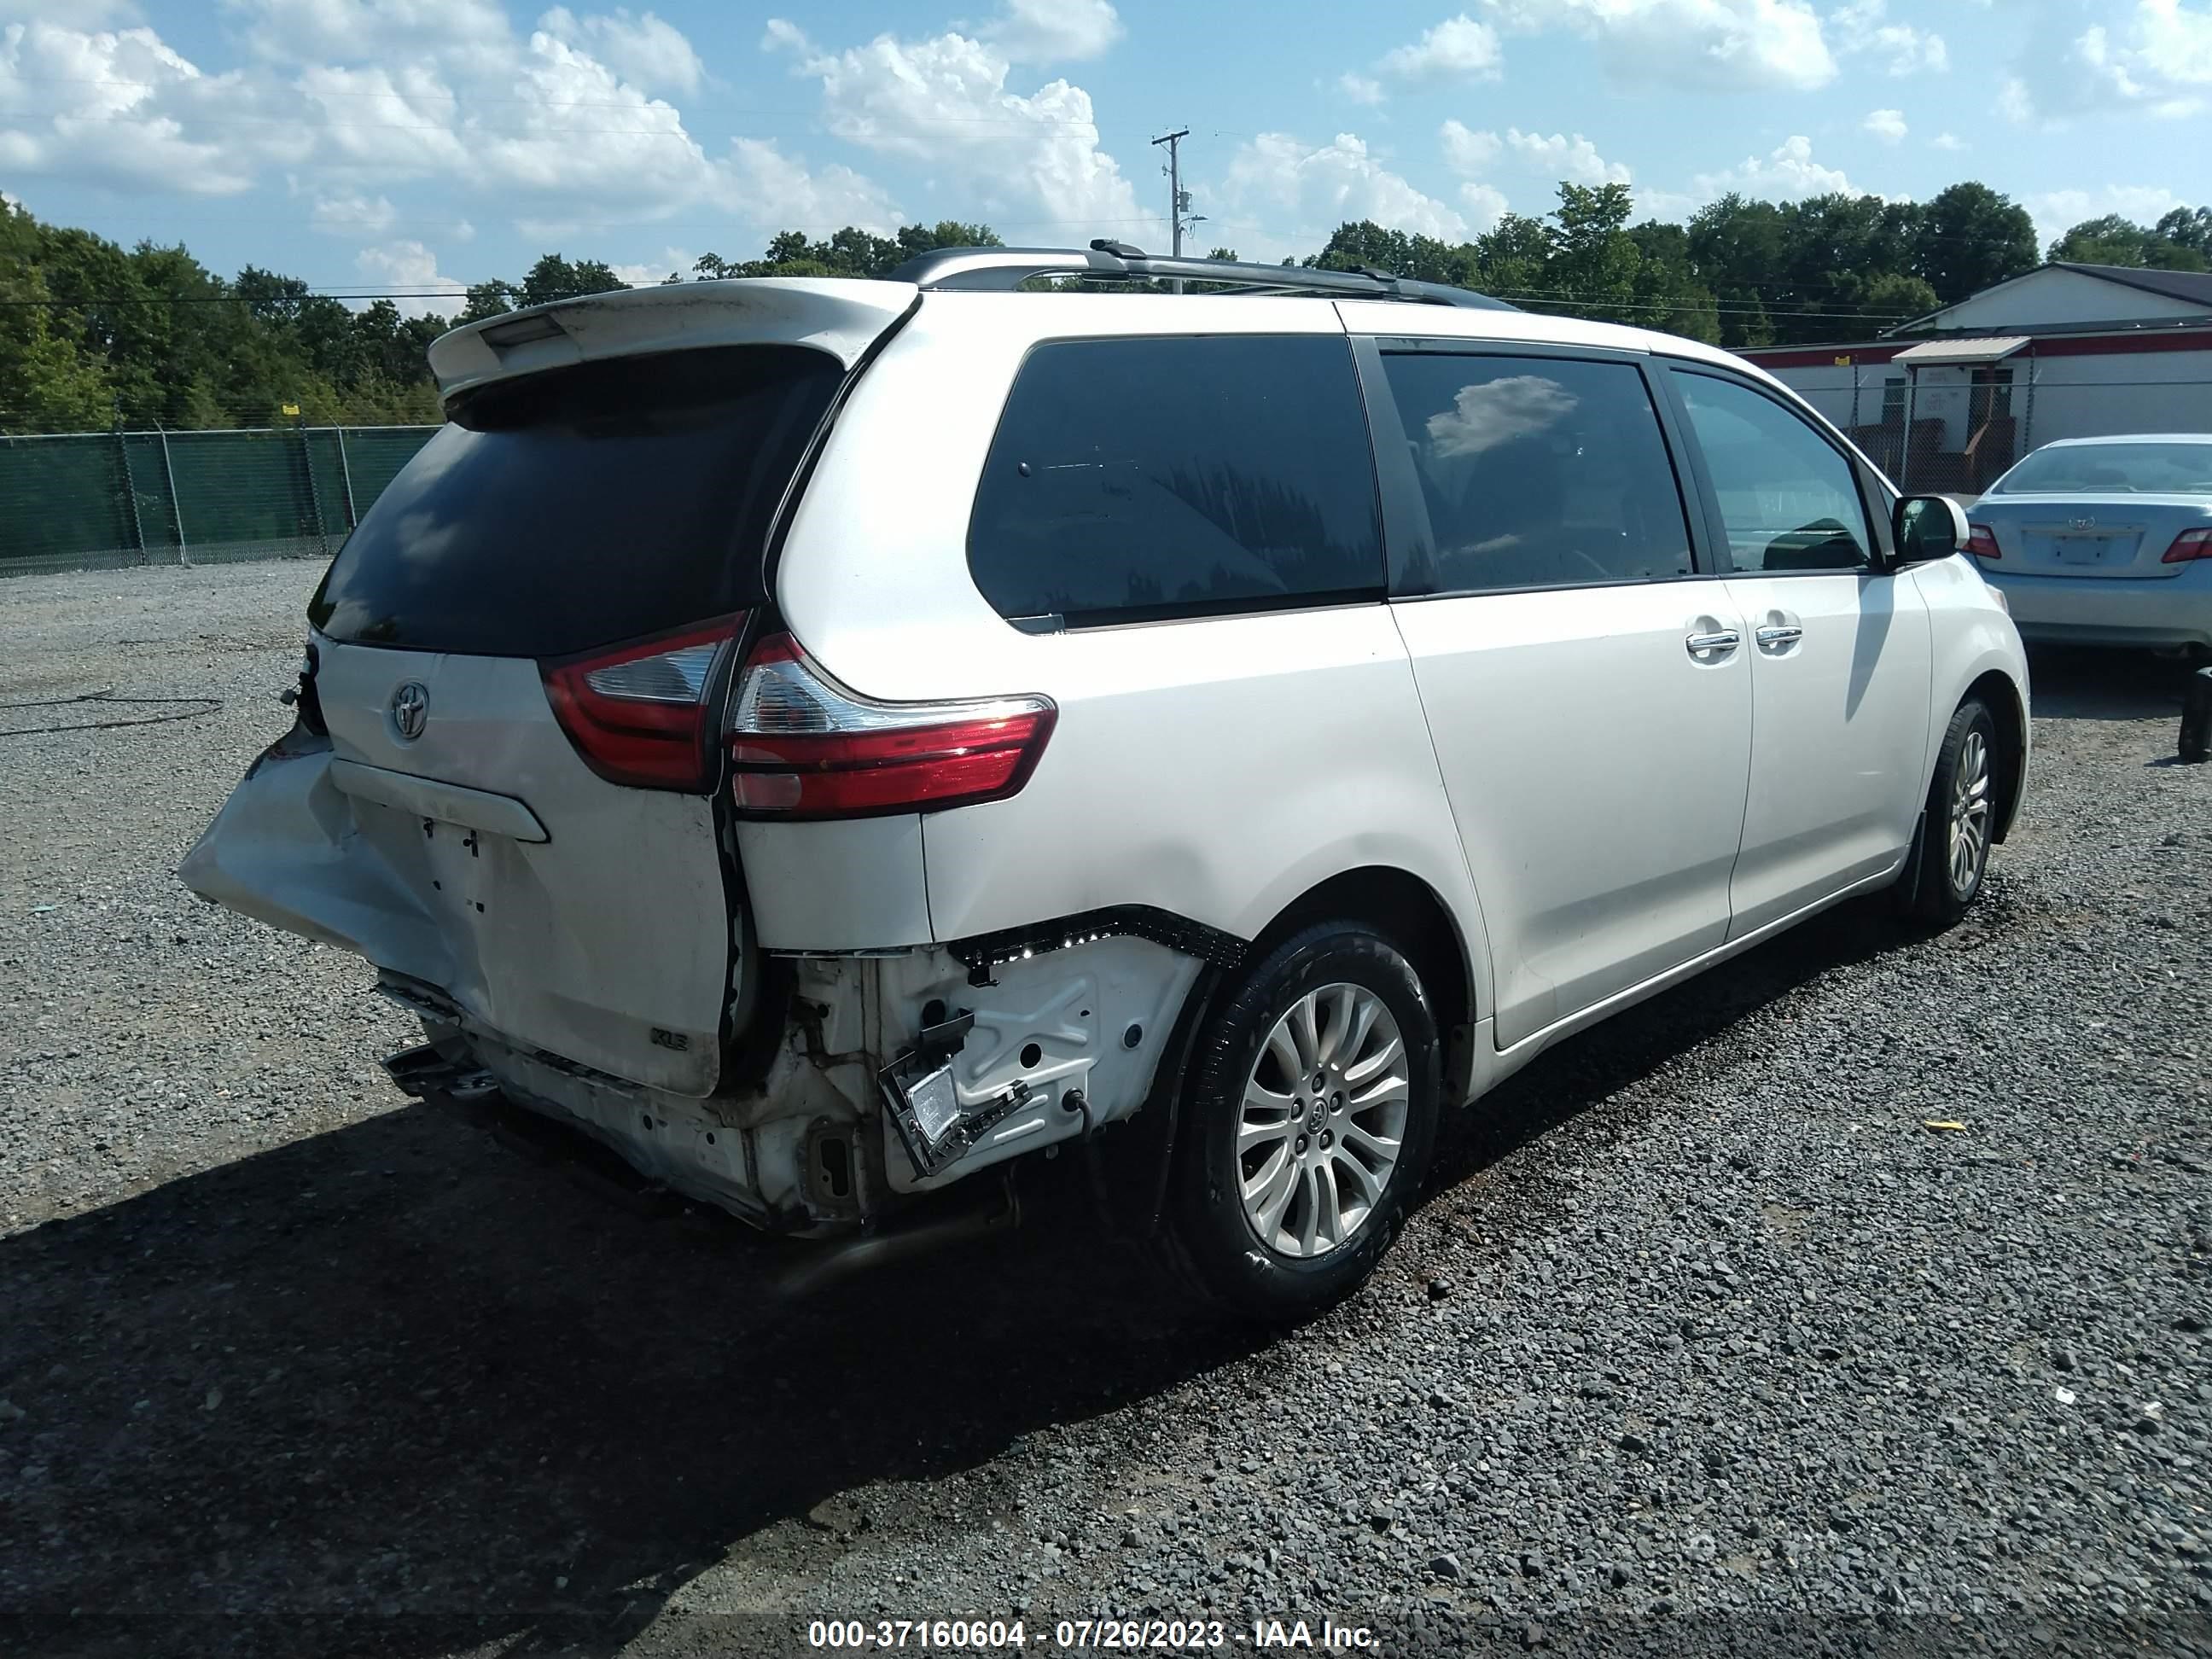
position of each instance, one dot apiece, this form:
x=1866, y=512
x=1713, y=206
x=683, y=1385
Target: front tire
x=1309, y=1124
x=1961, y=817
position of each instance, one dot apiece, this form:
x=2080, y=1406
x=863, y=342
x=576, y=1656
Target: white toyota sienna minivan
x=826, y=738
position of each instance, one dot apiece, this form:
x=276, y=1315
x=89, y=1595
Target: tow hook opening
x=834, y=1155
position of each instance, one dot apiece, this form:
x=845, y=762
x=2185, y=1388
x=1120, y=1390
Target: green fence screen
x=97, y=500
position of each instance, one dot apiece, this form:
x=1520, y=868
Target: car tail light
x=1982, y=542
x=637, y=712
x=802, y=746
x=2189, y=544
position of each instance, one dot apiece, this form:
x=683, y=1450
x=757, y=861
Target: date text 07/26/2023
x=1105, y=1635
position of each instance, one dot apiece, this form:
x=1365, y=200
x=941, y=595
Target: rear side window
x=1538, y=472
x=583, y=506
x=1138, y=479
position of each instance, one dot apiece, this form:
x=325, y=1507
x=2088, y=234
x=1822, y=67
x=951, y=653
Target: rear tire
x=1307, y=1127
x=1961, y=817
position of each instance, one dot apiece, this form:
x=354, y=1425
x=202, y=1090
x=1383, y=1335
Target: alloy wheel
x=1323, y=1120
x=1970, y=812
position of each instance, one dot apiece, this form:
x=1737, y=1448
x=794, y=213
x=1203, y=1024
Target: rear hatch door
x=505, y=816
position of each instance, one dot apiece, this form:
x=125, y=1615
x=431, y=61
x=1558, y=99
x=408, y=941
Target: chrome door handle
x=1769, y=637
x=1726, y=639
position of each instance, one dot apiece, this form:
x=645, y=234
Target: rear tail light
x=802, y=746
x=1982, y=542
x=2189, y=544
x=637, y=712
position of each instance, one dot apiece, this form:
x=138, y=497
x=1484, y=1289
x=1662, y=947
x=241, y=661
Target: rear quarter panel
x=1218, y=768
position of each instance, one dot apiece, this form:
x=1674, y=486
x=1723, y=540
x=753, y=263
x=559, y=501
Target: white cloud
x=1737, y=46
x=1278, y=178
x=1360, y=89
x=644, y=50
x=1466, y=151
x=575, y=134
x=1458, y=49
x=353, y=215
x=944, y=101
x=556, y=135
x=778, y=191
x=1947, y=141
x=472, y=32
x=1668, y=205
x=1861, y=31
x=647, y=273
x=2161, y=60
x=1486, y=205
x=781, y=34
x=580, y=145
x=1887, y=124
x=2057, y=211
x=1054, y=30
x=118, y=108
x=1558, y=157
x=412, y=268
x=2156, y=59
x=81, y=13
x=387, y=124
x=1493, y=412
x=1789, y=172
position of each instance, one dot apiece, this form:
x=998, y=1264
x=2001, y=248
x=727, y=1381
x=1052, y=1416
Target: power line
x=1725, y=307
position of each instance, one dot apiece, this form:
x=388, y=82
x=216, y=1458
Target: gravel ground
x=1703, y=1341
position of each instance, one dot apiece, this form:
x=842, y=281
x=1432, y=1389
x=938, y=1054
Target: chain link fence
x=1953, y=430
x=98, y=500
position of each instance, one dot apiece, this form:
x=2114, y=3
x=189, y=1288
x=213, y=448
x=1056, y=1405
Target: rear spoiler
x=840, y=316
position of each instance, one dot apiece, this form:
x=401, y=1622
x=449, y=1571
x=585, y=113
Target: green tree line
x=94, y=336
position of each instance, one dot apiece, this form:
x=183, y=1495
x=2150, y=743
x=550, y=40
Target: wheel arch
x=2001, y=695
x=1390, y=898
x=1413, y=915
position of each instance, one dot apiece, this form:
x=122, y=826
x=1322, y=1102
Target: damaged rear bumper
x=1010, y=1050
x=1059, y=1045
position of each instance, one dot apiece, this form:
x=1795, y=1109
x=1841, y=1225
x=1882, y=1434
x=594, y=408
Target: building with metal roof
x=1948, y=401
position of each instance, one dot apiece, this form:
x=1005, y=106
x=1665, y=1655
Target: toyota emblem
x=411, y=709
x=2082, y=524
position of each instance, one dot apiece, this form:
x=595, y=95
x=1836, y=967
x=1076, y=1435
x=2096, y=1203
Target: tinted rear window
x=1136, y=478
x=583, y=506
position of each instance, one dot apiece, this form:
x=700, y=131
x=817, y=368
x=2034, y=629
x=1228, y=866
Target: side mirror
x=1928, y=527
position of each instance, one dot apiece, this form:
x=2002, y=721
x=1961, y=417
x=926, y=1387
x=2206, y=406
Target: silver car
x=2105, y=541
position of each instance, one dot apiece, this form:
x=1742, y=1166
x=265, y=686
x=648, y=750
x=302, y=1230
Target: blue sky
x=411, y=145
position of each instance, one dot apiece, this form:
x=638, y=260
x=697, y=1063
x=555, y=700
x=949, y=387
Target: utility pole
x=1177, y=201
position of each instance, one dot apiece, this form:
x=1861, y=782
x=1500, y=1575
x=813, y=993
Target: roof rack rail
x=1005, y=268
